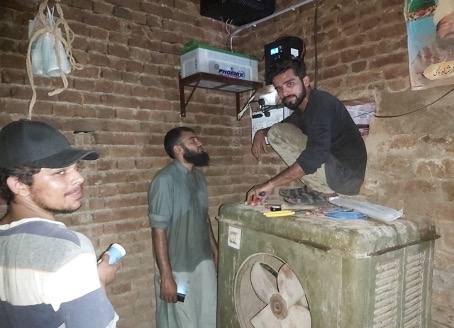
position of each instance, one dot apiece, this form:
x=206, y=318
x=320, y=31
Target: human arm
x=107, y=271
x=262, y=191
x=259, y=143
x=168, y=288
x=75, y=293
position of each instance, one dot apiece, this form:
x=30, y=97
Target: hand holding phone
x=180, y=297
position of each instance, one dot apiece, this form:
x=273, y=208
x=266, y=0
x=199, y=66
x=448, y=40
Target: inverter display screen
x=274, y=51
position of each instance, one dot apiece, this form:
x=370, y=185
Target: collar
x=27, y=220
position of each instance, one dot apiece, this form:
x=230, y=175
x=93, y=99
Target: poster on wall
x=430, y=31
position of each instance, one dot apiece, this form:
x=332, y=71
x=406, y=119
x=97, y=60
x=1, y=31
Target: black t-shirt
x=332, y=138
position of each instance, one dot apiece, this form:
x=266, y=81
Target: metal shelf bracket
x=213, y=82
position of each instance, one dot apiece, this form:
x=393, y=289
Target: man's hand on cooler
x=258, y=194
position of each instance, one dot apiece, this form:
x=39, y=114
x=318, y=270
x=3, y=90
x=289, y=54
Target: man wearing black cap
x=49, y=276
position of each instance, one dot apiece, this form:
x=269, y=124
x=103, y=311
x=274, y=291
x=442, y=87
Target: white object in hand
x=116, y=252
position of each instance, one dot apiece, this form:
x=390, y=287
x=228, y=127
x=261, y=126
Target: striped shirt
x=49, y=278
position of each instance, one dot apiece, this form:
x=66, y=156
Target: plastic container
x=198, y=57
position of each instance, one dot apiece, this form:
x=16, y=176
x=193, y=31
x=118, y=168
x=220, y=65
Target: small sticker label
x=234, y=237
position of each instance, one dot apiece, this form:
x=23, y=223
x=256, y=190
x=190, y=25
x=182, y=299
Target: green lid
x=417, y=5
x=192, y=45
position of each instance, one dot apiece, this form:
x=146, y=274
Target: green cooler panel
x=355, y=273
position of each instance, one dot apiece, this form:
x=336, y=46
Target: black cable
x=415, y=110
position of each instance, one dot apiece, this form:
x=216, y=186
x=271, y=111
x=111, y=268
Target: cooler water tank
x=313, y=271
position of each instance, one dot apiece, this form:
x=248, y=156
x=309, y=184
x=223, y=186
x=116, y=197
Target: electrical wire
x=417, y=109
x=315, y=45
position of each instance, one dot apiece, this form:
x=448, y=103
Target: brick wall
x=126, y=98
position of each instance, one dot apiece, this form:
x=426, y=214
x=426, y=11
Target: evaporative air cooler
x=313, y=271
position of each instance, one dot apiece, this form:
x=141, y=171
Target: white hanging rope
x=48, y=25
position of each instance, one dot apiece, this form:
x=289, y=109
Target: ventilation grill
x=386, y=295
x=414, y=284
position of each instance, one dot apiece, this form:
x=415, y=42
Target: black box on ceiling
x=237, y=12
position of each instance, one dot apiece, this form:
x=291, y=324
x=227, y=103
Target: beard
x=298, y=101
x=196, y=158
x=53, y=209
x=41, y=202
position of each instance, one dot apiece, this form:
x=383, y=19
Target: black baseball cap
x=39, y=145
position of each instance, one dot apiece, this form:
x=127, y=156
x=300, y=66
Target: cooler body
x=355, y=274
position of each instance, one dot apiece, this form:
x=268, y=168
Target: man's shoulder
x=324, y=99
x=166, y=175
x=50, y=230
x=41, y=237
x=165, y=171
x=321, y=94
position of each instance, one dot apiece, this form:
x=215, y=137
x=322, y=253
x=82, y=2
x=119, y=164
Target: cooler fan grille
x=386, y=295
x=414, y=281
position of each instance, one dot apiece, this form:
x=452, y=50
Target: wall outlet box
x=260, y=121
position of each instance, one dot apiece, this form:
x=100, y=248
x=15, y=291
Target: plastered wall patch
x=234, y=239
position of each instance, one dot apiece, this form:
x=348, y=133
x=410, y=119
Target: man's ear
x=177, y=150
x=306, y=81
x=17, y=187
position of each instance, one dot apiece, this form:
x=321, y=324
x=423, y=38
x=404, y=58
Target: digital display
x=274, y=51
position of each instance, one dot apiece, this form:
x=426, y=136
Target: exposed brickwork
x=126, y=98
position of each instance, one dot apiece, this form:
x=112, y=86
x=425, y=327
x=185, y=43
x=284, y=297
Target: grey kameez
x=178, y=203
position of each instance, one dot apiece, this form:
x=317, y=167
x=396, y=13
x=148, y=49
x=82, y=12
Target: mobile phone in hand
x=180, y=297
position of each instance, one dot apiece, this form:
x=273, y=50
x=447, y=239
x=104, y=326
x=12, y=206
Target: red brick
x=102, y=8
x=121, y=89
x=134, y=66
x=395, y=72
x=95, y=58
x=5, y=90
x=120, y=12
x=118, y=50
x=111, y=74
x=71, y=96
x=130, y=77
x=390, y=59
x=139, y=17
x=333, y=71
x=118, y=37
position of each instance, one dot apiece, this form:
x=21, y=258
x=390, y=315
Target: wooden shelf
x=214, y=82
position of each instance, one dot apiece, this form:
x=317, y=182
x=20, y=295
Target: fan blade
x=289, y=286
x=265, y=319
x=298, y=317
x=261, y=284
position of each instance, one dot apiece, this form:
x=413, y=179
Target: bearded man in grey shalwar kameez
x=183, y=242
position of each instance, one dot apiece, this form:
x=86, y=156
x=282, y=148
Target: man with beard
x=319, y=141
x=49, y=274
x=184, y=246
